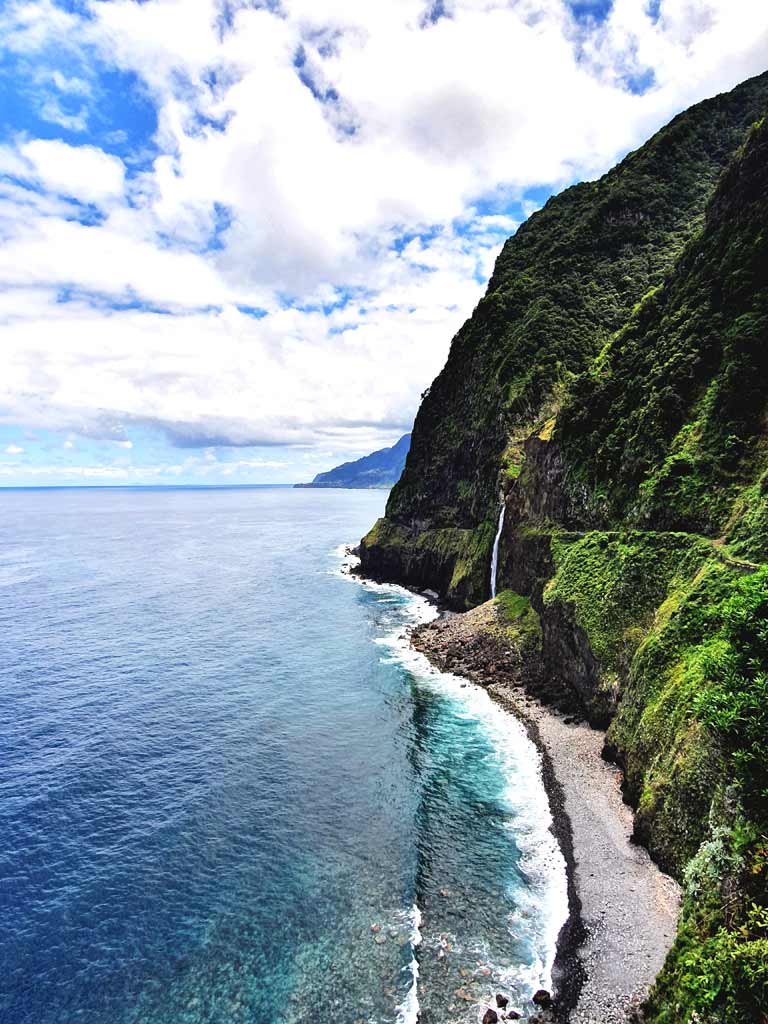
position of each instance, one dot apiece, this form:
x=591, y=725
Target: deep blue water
x=226, y=781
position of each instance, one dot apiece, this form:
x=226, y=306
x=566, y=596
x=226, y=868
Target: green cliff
x=562, y=287
x=612, y=389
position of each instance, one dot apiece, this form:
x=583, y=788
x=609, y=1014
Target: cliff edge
x=610, y=393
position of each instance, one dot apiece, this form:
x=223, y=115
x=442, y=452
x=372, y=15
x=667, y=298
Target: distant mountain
x=379, y=469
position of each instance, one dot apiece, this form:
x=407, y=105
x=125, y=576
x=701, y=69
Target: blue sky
x=238, y=238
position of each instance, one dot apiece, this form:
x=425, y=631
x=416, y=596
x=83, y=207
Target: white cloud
x=13, y=449
x=52, y=111
x=69, y=84
x=419, y=125
x=290, y=377
x=110, y=259
x=85, y=172
x=190, y=468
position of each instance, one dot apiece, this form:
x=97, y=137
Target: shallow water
x=231, y=791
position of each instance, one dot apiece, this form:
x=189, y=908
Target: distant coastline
x=378, y=471
x=343, y=487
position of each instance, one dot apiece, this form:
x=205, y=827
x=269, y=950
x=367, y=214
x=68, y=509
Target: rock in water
x=490, y=1016
x=501, y=1001
x=543, y=999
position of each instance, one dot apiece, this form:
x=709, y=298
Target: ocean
x=231, y=792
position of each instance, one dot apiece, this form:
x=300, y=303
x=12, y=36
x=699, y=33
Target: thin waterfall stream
x=495, y=555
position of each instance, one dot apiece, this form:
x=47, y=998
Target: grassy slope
x=686, y=635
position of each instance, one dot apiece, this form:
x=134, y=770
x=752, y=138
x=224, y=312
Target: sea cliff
x=610, y=392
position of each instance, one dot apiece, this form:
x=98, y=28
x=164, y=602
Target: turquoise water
x=230, y=791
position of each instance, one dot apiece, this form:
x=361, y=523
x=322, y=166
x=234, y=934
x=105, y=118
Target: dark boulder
x=490, y=1016
x=501, y=1001
x=543, y=999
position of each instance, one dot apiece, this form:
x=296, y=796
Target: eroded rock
x=543, y=999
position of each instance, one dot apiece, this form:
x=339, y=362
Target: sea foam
x=541, y=906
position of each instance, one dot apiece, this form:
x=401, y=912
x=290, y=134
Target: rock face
x=568, y=659
x=542, y=998
x=612, y=390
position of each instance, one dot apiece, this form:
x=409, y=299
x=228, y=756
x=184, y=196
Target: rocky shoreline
x=623, y=909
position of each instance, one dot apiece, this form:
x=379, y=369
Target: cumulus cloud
x=85, y=172
x=285, y=262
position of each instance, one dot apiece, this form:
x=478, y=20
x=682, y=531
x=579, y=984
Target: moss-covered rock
x=453, y=562
x=668, y=425
x=613, y=583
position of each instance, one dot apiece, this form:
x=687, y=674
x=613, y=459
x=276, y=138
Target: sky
x=238, y=237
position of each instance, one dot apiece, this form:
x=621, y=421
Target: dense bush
x=733, y=662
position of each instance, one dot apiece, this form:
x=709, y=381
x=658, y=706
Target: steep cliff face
x=613, y=387
x=562, y=286
x=667, y=425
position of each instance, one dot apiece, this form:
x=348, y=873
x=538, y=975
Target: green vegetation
x=682, y=632
x=747, y=532
x=563, y=285
x=668, y=423
x=732, y=662
x=692, y=730
x=718, y=967
x=450, y=559
x=616, y=581
x=613, y=385
x=518, y=619
x=512, y=606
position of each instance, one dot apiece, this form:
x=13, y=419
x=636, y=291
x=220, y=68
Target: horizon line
x=125, y=487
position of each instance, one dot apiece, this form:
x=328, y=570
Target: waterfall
x=495, y=556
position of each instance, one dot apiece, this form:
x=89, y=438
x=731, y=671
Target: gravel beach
x=628, y=907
